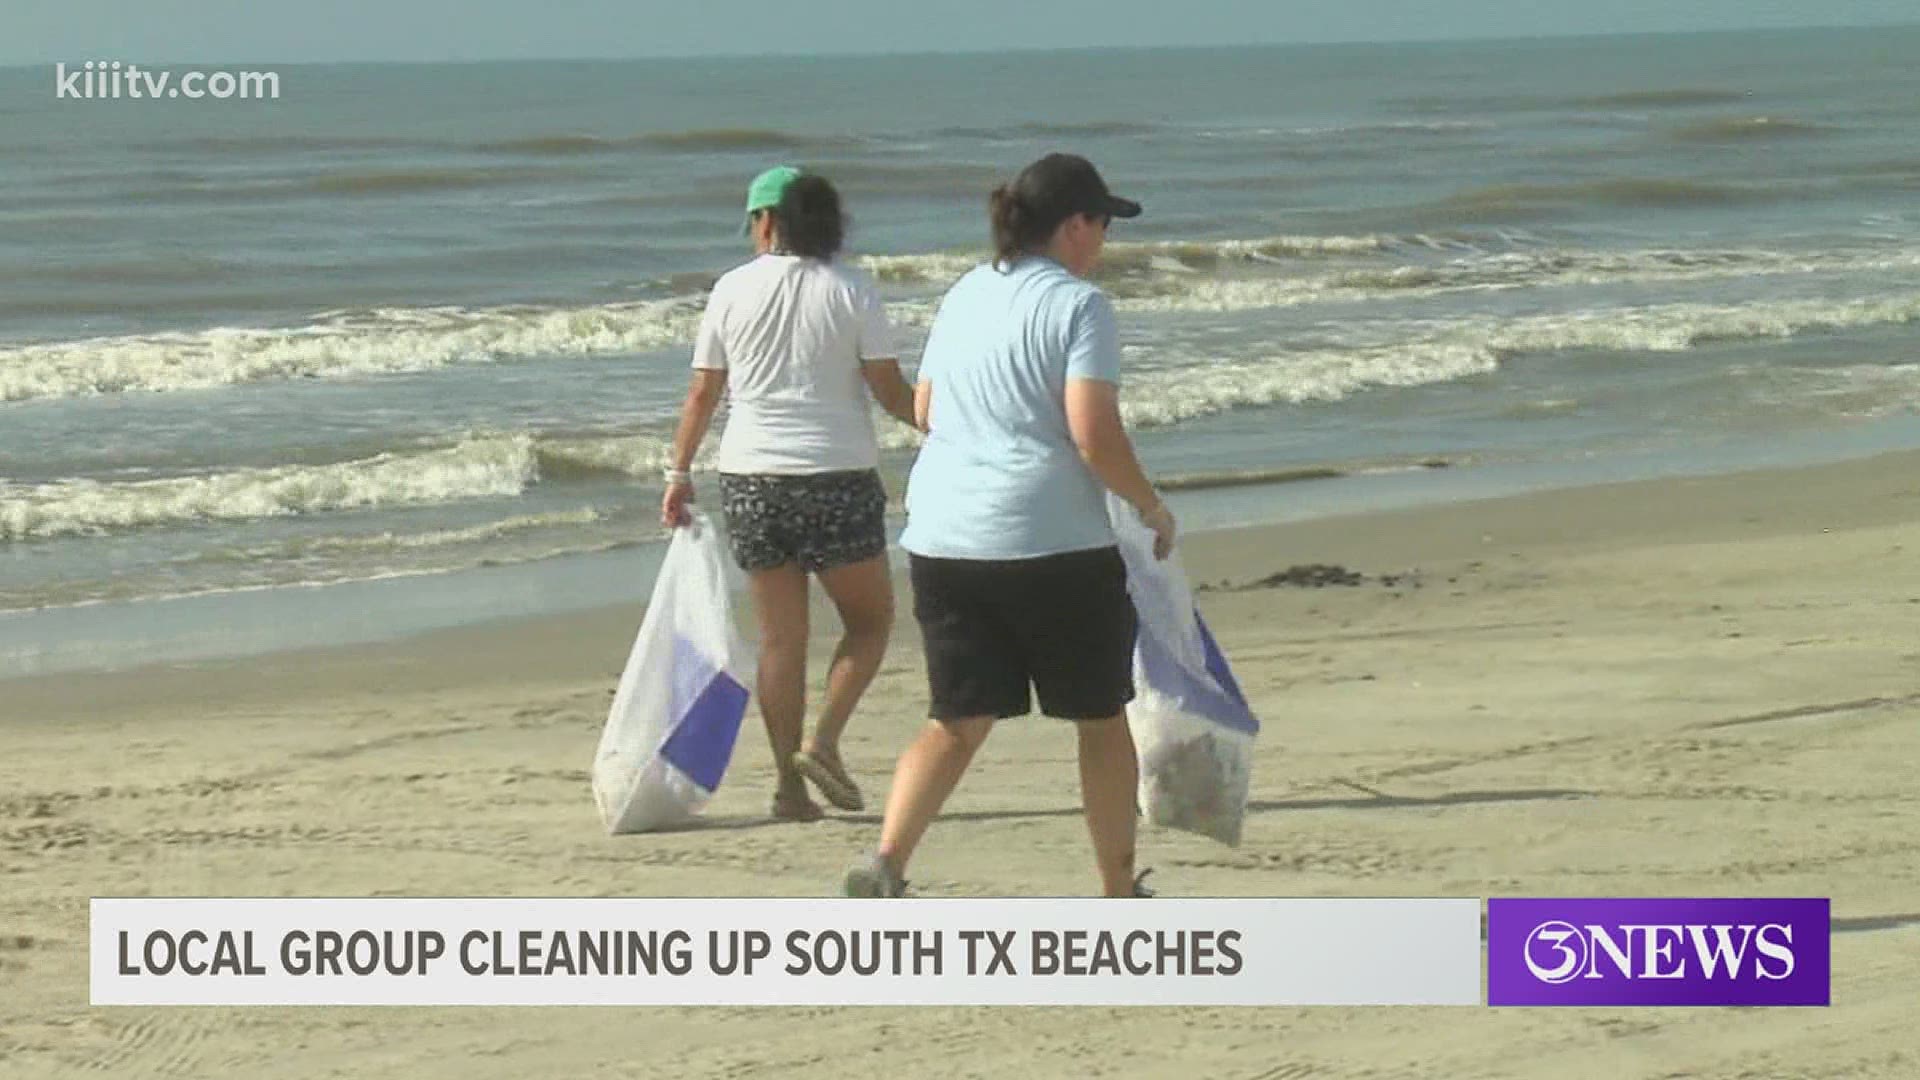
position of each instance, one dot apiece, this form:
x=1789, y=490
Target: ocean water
x=412, y=320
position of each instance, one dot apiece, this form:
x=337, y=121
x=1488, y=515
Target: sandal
x=800, y=809
x=832, y=780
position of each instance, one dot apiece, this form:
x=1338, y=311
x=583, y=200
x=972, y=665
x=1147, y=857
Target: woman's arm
x=923, y=403
x=1093, y=420
x=696, y=414
x=890, y=389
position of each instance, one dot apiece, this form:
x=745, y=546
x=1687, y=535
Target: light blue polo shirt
x=998, y=476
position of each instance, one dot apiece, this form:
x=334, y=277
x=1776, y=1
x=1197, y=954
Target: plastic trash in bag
x=677, y=712
x=1191, y=724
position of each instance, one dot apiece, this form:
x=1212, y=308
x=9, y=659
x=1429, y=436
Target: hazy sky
x=157, y=31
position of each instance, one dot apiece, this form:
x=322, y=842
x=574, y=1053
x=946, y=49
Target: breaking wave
x=1165, y=277
x=478, y=467
x=1123, y=257
x=1512, y=270
x=385, y=341
x=1423, y=354
x=474, y=469
x=1172, y=387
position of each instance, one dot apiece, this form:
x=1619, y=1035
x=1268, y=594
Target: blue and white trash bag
x=1191, y=724
x=677, y=712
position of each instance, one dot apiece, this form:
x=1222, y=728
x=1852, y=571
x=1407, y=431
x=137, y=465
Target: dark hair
x=808, y=219
x=1018, y=227
x=1025, y=211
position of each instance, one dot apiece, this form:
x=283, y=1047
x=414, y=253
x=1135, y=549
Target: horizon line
x=875, y=54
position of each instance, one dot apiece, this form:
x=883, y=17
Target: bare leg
x=927, y=773
x=863, y=594
x=1109, y=777
x=780, y=604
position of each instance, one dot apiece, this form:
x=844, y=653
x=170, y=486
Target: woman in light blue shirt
x=1018, y=584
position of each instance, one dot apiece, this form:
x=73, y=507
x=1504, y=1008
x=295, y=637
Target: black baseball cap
x=1060, y=185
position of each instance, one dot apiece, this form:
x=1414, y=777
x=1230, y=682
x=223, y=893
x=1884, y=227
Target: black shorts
x=1060, y=626
x=816, y=521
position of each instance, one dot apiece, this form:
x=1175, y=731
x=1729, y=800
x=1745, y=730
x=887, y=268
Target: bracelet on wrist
x=677, y=476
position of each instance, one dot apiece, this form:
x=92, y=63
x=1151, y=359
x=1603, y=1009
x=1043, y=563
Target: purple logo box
x=1658, y=952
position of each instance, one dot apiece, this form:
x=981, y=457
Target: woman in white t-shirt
x=800, y=346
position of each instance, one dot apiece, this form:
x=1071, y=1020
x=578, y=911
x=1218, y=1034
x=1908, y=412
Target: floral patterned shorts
x=816, y=521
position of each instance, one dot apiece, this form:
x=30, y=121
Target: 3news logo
x=1558, y=952
x=1658, y=952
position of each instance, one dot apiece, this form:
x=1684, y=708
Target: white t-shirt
x=791, y=333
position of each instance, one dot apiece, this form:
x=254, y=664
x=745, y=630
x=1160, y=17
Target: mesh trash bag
x=677, y=712
x=1191, y=724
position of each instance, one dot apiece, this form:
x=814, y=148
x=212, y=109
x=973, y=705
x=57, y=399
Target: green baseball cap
x=766, y=189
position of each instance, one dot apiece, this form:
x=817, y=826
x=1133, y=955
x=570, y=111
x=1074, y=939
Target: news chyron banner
x=919, y=951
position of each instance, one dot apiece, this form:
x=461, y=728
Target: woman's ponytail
x=1014, y=232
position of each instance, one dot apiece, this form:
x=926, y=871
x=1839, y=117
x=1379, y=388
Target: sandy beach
x=1673, y=687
